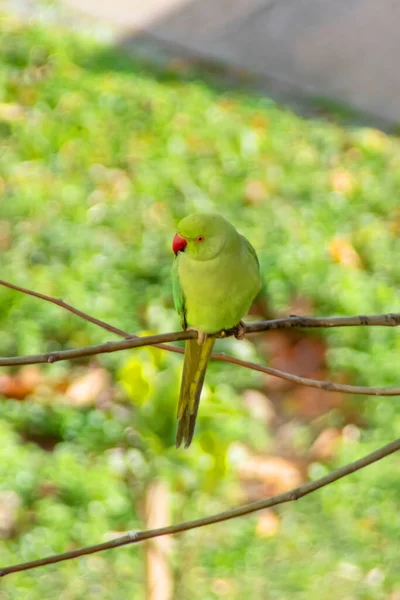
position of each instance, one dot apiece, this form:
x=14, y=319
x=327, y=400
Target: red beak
x=179, y=243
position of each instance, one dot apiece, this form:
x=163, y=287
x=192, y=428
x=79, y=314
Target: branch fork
x=159, y=341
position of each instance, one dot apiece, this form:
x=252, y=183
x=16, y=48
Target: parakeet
x=215, y=276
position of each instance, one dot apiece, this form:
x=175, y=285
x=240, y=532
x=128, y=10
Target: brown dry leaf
x=11, y=112
x=157, y=512
x=22, y=384
x=268, y=524
x=118, y=183
x=10, y=503
x=301, y=305
x=353, y=154
x=342, y=252
x=275, y=473
x=351, y=433
x=394, y=223
x=227, y=104
x=30, y=376
x=28, y=95
x=157, y=214
x=179, y=65
x=260, y=308
x=259, y=122
x=61, y=385
x=304, y=356
x=342, y=181
x=299, y=356
x=375, y=140
x=310, y=403
x=5, y=229
x=48, y=488
x=256, y=191
x=278, y=343
x=223, y=587
x=9, y=388
x=326, y=445
x=86, y=390
x=367, y=523
x=259, y=406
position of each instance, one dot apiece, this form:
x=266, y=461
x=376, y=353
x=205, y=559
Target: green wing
x=262, y=293
x=179, y=297
x=194, y=370
x=251, y=250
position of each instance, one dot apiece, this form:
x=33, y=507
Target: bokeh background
x=101, y=154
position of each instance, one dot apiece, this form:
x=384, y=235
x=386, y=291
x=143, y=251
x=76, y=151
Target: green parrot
x=215, y=276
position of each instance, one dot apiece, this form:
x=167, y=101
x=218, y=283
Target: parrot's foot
x=240, y=330
x=201, y=335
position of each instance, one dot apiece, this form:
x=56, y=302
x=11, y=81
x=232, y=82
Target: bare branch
x=294, y=321
x=136, y=537
x=130, y=341
x=389, y=320
x=152, y=340
x=328, y=386
x=127, y=343
x=83, y=315
x=66, y=306
x=386, y=320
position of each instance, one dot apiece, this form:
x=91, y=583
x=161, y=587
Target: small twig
x=66, y=306
x=294, y=321
x=390, y=320
x=85, y=316
x=152, y=340
x=125, y=344
x=136, y=537
x=328, y=386
x=131, y=341
x=385, y=320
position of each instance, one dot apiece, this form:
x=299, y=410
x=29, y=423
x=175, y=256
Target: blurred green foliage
x=100, y=156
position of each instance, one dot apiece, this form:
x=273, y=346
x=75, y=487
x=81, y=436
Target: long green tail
x=194, y=370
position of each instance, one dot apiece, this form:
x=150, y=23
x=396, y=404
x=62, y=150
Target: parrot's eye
x=200, y=238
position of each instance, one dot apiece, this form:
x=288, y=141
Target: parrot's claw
x=240, y=331
x=201, y=335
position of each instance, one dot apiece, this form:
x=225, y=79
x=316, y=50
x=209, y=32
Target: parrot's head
x=202, y=236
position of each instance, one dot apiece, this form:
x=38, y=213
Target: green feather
x=194, y=370
x=179, y=297
x=215, y=279
x=251, y=250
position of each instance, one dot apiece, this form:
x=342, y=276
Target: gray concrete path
x=345, y=50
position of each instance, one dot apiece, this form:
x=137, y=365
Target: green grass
x=100, y=156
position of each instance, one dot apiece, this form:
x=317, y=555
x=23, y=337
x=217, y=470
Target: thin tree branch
x=134, y=537
x=389, y=320
x=125, y=344
x=152, y=340
x=85, y=316
x=66, y=306
x=328, y=386
x=385, y=320
x=294, y=321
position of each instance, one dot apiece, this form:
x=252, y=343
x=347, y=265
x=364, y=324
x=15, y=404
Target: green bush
x=100, y=156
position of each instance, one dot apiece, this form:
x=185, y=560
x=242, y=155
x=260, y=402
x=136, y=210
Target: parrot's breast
x=219, y=292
